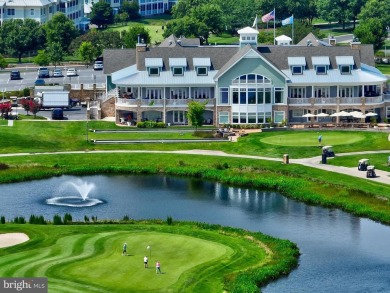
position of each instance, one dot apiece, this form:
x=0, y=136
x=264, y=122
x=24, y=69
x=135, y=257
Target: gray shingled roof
x=222, y=57
x=117, y=59
x=173, y=41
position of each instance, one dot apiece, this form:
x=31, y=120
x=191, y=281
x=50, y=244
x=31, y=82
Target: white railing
x=126, y=102
x=386, y=97
x=88, y=86
x=298, y=101
x=75, y=86
x=374, y=100
x=325, y=101
x=151, y=103
x=351, y=100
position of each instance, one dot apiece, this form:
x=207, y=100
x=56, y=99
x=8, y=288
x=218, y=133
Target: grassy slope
x=87, y=258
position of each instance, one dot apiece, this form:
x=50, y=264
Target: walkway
x=315, y=162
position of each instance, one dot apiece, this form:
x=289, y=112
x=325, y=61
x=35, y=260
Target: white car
x=57, y=73
x=71, y=72
x=98, y=65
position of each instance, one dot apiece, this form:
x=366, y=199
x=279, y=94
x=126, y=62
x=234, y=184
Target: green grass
x=223, y=40
x=311, y=139
x=44, y=136
x=384, y=68
x=88, y=258
x=377, y=160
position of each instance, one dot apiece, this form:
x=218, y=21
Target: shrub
x=37, y=220
x=86, y=219
x=19, y=220
x=169, y=220
x=126, y=218
x=2, y=220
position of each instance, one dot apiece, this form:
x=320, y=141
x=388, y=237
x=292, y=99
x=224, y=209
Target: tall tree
x=371, y=31
x=21, y=36
x=132, y=9
x=41, y=58
x=130, y=37
x=188, y=27
x=3, y=62
x=60, y=29
x=195, y=113
x=55, y=53
x=87, y=52
x=101, y=14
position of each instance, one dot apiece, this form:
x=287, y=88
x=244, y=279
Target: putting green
x=83, y=260
x=311, y=138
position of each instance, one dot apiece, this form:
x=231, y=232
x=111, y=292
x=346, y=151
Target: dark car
x=57, y=114
x=40, y=82
x=15, y=75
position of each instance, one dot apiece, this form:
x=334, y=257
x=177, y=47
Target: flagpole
x=274, y=24
x=292, y=29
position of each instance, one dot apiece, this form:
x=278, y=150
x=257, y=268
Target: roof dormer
x=248, y=35
x=154, y=66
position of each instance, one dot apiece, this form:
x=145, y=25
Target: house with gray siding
x=248, y=83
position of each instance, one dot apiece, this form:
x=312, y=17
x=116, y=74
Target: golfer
x=146, y=261
x=158, y=270
x=319, y=139
x=124, y=251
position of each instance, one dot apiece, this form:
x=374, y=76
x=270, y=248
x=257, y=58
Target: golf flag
x=288, y=20
x=268, y=16
x=255, y=22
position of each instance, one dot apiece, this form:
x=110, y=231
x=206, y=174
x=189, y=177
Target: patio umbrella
x=322, y=115
x=336, y=114
x=308, y=115
x=370, y=114
x=353, y=113
x=344, y=114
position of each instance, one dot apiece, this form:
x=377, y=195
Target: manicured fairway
x=88, y=258
x=311, y=138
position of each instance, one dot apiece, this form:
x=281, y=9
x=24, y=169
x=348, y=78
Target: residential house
x=248, y=83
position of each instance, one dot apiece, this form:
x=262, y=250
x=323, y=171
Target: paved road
x=382, y=176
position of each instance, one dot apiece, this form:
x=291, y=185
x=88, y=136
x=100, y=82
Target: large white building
x=244, y=84
x=43, y=10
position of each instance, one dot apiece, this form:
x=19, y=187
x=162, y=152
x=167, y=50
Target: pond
x=340, y=252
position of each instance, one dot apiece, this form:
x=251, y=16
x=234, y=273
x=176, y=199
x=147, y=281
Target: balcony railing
x=386, y=97
x=374, y=100
x=351, y=100
x=149, y=102
x=126, y=102
x=327, y=101
x=299, y=101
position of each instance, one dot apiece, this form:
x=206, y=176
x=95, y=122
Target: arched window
x=251, y=79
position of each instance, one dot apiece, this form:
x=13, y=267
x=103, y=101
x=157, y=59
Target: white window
x=298, y=113
x=296, y=70
x=279, y=95
x=321, y=92
x=153, y=71
x=278, y=116
x=345, y=69
x=201, y=93
x=345, y=92
x=223, y=118
x=201, y=70
x=321, y=69
x=252, y=118
x=10, y=11
x=179, y=93
x=178, y=71
x=224, y=96
x=179, y=117
x=153, y=94
x=235, y=117
x=297, y=92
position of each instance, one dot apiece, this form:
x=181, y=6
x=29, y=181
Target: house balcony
x=124, y=102
x=351, y=101
x=335, y=101
x=299, y=101
x=326, y=101
x=127, y=102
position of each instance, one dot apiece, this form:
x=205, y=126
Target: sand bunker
x=10, y=239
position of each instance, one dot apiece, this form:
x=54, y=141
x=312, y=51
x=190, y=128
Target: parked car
x=71, y=72
x=57, y=114
x=15, y=74
x=98, y=65
x=40, y=82
x=57, y=73
x=43, y=72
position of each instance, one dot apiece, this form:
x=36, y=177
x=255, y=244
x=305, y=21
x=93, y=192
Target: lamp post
x=150, y=251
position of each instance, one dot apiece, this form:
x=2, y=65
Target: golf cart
x=370, y=172
x=328, y=151
x=363, y=164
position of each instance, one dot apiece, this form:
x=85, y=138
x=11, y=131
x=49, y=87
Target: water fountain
x=80, y=200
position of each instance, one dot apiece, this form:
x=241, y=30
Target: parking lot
x=76, y=113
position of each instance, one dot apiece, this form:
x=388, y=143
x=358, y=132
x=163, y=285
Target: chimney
x=332, y=41
x=355, y=44
x=139, y=48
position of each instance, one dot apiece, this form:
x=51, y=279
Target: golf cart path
x=314, y=162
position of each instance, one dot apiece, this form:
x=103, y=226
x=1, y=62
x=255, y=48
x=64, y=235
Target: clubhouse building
x=248, y=83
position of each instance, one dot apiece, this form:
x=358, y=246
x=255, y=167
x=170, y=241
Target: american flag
x=268, y=16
